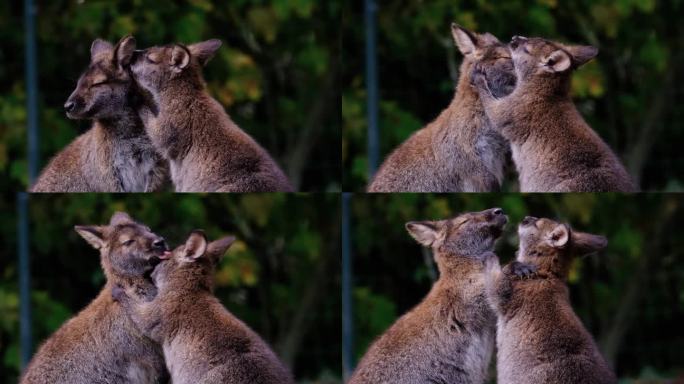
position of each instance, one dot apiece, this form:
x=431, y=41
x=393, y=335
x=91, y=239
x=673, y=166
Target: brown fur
x=459, y=151
x=207, y=152
x=553, y=147
x=202, y=341
x=115, y=155
x=539, y=337
x=449, y=336
x=101, y=344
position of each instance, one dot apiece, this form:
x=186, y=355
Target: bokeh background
x=276, y=73
x=629, y=94
x=281, y=276
x=630, y=296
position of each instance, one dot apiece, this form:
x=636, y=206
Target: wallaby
x=115, y=155
x=201, y=340
x=449, y=336
x=459, y=151
x=539, y=337
x=554, y=150
x=101, y=344
x=207, y=152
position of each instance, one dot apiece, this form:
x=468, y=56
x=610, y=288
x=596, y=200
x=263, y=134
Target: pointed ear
x=98, y=47
x=119, y=218
x=559, y=237
x=93, y=234
x=464, y=39
x=179, y=58
x=217, y=248
x=581, y=54
x=195, y=245
x=556, y=61
x=204, y=50
x=425, y=232
x=123, y=51
x=585, y=243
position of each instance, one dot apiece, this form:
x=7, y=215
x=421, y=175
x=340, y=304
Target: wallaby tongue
x=165, y=255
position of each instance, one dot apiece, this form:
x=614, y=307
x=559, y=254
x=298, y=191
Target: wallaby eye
x=99, y=82
x=128, y=242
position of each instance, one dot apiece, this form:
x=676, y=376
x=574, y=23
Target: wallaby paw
x=522, y=270
x=118, y=292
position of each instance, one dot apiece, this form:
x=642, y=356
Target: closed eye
x=102, y=82
x=128, y=242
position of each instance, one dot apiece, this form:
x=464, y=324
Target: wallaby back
x=459, y=151
x=449, y=336
x=207, y=152
x=553, y=147
x=101, y=344
x=115, y=155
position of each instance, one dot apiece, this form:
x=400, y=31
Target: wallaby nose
x=528, y=220
x=160, y=244
x=69, y=106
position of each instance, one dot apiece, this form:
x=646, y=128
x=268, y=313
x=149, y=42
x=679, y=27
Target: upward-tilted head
x=154, y=67
x=468, y=234
x=127, y=248
x=105, y=89
x=540, y=57
x=551, y=246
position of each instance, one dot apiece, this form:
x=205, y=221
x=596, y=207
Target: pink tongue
x=166, y=255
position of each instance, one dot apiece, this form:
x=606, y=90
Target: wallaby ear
x=467, y=41
x=559, y=237
x=119, y=218
x=217, y=248
x=179, y=58
x=556, y=61
x=425, y=232
x=93, y=234
x=585, y=243
x=123, y=51
x=204, y=50
x=195, y=245
x=581, y=54
x=98, y=47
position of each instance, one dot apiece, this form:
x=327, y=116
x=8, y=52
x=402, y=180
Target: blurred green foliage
x=630, y=94
x=276, y=73
x=630, y=296
x=281, y=276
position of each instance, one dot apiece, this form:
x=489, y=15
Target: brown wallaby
x=201, y=340
x=207, y=152
x=459, y=151
x=115, y=155
x=539, y=337
x=553, y=148
x=449, y=336
x=101, y=344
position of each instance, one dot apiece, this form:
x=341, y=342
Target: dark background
x=630, y=296
x=275, y=74
x=630, y=94
x=281, y=276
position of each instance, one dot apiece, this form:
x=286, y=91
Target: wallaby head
x=156, y=67
x=105, y=90
x=127, y=248
x=470, y=235
x=551, y=246
x=487, y=53
x=193, y=263
x=537, y=58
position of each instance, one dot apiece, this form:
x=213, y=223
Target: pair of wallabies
x=153, y=117
x=156, y=320
x=523, y=308
x=513, y=96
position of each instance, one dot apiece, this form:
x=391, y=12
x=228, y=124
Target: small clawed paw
x=523, y=271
